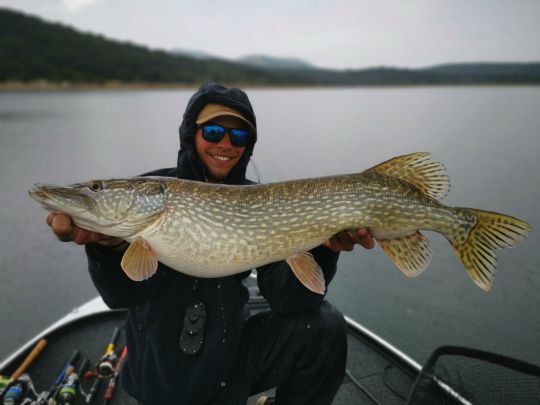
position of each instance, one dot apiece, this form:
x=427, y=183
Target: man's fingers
x=61, y=225
x=50, y=218
x=80, y=236
x=339, y=242
x=365, y=239
x=345, y=240
x=66, y=231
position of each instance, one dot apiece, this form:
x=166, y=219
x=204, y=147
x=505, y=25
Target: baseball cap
x=213, y=110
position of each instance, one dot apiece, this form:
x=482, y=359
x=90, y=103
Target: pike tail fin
x=476, y=249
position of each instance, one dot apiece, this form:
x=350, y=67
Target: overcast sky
x=327, y=33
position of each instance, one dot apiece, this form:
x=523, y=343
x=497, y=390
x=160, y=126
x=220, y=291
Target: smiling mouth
x=222, y=158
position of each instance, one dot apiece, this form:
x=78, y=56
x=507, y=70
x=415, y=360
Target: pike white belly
x=217, y=251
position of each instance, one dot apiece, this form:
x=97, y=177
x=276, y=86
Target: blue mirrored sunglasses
x=215, y=133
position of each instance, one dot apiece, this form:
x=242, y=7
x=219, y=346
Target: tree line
x=32, y=49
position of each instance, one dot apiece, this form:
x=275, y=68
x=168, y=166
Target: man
x=190, y=340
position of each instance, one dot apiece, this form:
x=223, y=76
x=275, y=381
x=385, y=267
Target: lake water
x=488, y=138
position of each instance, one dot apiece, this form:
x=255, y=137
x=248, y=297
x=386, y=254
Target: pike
x=214, y=230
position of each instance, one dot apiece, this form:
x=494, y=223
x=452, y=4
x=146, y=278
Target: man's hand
x=66, y=231
x=345, y=240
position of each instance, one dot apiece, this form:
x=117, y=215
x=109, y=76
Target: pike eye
x=95, y=186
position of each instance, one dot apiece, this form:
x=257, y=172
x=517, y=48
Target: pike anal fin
x=139, y=261
x=307, y=271
x=411, y=254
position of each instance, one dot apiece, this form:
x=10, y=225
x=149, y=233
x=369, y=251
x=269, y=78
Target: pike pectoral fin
x=411, y=254
x=139, y=261
x=308, y=272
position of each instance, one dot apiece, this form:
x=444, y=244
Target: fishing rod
x=68, y=390
x=5, y=382
x=51, y=393
x=93, y=391
x=112, y=382
x=103, y=368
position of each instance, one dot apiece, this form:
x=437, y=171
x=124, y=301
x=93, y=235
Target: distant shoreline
x=45, y=85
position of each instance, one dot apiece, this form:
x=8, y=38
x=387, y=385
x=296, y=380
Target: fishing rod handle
x=93, y=391
x=110, y=388
x=112, y=342
x=29, y=359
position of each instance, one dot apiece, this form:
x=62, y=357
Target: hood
x=189, y=165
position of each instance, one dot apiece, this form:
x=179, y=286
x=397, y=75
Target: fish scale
x=216, y=230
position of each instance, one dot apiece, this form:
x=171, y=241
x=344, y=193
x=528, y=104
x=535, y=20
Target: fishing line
x=252, y=163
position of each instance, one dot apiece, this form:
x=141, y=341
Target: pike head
x=121, y=208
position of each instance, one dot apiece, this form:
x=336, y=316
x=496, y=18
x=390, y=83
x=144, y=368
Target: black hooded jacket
x=157, y=370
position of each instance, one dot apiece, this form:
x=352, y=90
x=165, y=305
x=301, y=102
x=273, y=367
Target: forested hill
x=32, y=49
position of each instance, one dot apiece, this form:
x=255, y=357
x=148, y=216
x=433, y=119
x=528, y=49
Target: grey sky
x=328, y=33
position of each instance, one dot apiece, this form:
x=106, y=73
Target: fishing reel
x=106, y=364
x=104, y=367
x=70, y=387
x=15, y=391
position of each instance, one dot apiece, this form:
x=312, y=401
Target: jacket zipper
x=142, y=345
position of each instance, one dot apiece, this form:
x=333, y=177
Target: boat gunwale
x=371, y=336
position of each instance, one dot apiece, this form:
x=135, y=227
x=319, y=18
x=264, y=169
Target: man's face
x=219, y=158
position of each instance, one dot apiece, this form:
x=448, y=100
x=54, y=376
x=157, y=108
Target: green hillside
x=32, y=49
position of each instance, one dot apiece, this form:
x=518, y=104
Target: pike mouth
x=59, y=198
x=37, y=194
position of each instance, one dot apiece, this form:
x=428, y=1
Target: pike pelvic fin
x=490, y=232
x=420, y=170
x=308, y=272
x=411, y=254
x=139, y=261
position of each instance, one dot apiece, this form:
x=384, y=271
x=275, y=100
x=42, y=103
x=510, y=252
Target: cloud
x=77, y=5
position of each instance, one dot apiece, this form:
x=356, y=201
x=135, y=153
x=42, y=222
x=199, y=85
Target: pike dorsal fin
x=411, y=254
x=139, y=261
x=307, y=271
x=418, y=169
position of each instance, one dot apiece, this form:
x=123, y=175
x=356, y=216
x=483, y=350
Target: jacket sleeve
x=114, y=286
x=285, y=294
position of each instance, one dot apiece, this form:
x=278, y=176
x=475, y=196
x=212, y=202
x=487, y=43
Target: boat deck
x=374, y=376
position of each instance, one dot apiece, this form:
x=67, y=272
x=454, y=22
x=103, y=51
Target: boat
x=377, y=372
